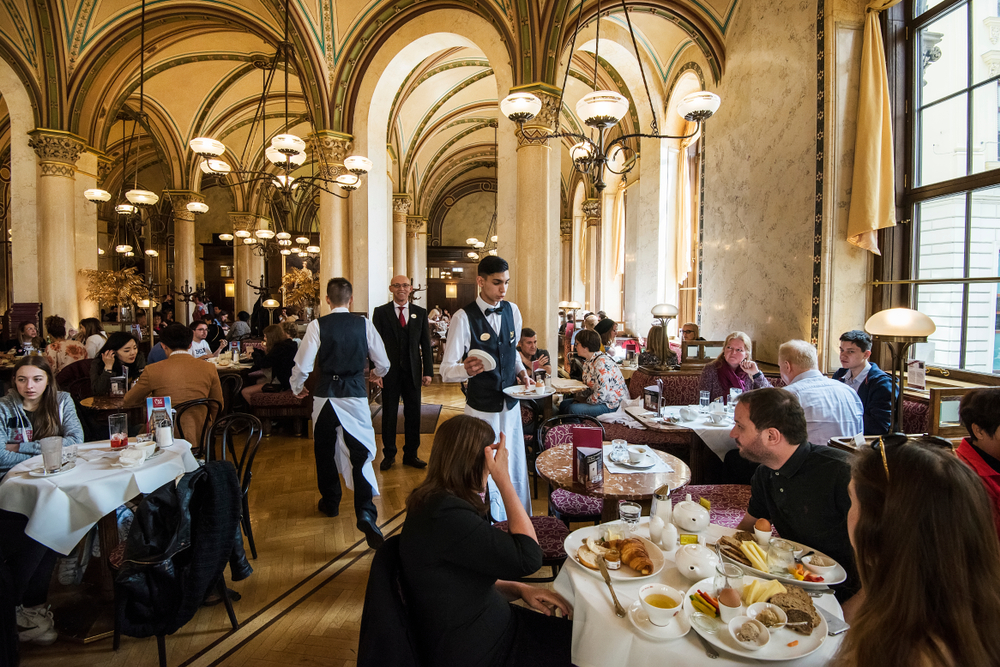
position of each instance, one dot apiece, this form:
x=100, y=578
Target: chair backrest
x=198, y=437
x=235, y=438
x=75, y=379
x=231, y=385
x=387, y=636
x=558, y=430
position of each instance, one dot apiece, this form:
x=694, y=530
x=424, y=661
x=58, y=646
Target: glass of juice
x=118, y=427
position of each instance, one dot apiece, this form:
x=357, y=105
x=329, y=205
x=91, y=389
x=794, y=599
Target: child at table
x=34, y=409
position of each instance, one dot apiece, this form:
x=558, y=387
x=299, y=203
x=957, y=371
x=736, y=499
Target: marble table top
x=556, y=466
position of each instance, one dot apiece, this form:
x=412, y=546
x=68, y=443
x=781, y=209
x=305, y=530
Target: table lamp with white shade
x=899, y=328
x=270, y=304
x=663, y=312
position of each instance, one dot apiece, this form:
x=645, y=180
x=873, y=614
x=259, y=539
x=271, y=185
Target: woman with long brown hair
x=456, y=566
x=92, y=335
x=928, y=556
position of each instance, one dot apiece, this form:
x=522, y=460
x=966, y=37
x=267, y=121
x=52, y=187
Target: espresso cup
x=661, y=603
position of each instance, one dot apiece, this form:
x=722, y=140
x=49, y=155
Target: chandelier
x=602, y=110
x=286, y=153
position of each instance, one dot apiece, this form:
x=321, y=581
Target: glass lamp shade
x=288, y=144
x=129, y=254
x=479, y=244
x=264, y=234
x=493, y=252
x=100, y=251
x=520, y=107
x=153, y=253
x=493, y=238
x=123, y=248
x=271, y=303
x=348, y=182
x=472, y=240
x=602, y=108
x=215, y=167
x=125, y=209
x=249, y=240
x=698, y=106
x=284, y=181
x=280, y=159
x=242, y=234
x=313, y=249
x=285, y=251
x=301, y=240
x=900, y=323
x=563, y=304
x=574, y=305
x=303, y=254
x=206, y=147
x=283, y=236
x=357, y=164
x=664, y=310
x=97, y=195
x=581, y=152
x=141, y=197
x=284, y=242
x=225, y=237
x=472, y=255
x=144, y=303
x=197, y=207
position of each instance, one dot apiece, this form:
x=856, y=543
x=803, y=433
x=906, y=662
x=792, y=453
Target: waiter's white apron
x=356, y=418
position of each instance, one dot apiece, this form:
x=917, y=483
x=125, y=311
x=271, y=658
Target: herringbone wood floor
x=302, y=606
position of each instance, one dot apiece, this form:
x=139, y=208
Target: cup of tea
x=660, y=602
x=52, y=454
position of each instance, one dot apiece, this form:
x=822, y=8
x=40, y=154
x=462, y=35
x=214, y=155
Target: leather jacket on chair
x=180, y=541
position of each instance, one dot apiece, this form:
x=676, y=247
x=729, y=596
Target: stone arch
x=370, y=212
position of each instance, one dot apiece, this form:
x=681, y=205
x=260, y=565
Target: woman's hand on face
x=749, y=367
x=545, y=601
x=108, y=358
x=497, y=456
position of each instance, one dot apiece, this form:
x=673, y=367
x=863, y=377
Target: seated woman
x=733, y=369
x=605, y=385
x=32, y=410
x=61, y=352
x=655, y=354
x=27, y=338
x=277, y=362
x=455, y=566
x=935, y=557
x=120, y=352
x=979, y=412
x=92, y=335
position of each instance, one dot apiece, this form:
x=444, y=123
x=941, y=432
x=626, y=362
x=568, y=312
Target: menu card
x=590, y=463
x=157, y=410
x=589, y=439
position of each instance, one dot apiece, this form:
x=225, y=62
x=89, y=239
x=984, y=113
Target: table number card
x=915, y=374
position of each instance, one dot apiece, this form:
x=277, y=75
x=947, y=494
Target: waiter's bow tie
x=490, y=311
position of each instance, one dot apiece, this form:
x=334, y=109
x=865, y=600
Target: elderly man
x=874, y=386
x=832, y=408
x=799, y=487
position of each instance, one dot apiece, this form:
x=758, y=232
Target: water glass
x=51, y=453
x=629, y=513
x=619, y=451
x=728, y=575
x=118, y=428
x=734, y=395
x=706, y=397
x=780, y=556
x=69, y=454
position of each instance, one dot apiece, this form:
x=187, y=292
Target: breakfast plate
x=577, y=538
x=489, y=363
x=678, y=627
x=777, y=649
x=518, y=392
x=837, y=576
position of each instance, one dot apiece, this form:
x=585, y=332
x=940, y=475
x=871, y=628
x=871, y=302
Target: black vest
x=485, y=392
x=343, y=356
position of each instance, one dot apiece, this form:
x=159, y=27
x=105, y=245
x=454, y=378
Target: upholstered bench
x=729, y=501
x=282, y=405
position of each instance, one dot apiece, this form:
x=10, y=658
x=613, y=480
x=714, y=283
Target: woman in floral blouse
x=61, y=352
x=606, y=386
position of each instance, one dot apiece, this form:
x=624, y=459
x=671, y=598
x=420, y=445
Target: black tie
x=490, y=311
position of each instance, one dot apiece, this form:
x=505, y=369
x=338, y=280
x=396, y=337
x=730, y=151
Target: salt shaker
x=669, y=537
x=655, y=528
x=662, y=506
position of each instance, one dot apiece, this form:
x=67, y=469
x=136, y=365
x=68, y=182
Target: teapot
x=690, y=516
x=696, y=561
x=688, y=414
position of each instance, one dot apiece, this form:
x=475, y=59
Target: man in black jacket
x=404, y=330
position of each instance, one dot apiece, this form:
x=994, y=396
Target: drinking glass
x=728, y=575
x=51, y=453
x=706, y=397
x=780, y=556
x=118, y=427
x=69, y=454
x=734, y=395
x=629, y=513
x=619, y=451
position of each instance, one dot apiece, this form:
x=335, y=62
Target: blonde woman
x=734, y=368
x=657, y=352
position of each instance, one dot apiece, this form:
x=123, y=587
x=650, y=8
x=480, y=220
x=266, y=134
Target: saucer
x=677, y=628
x=40, y=471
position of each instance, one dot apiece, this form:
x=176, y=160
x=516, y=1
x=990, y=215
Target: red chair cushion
x=572, y=505
x=915, y=416
x=551, y=534
x=729, y=501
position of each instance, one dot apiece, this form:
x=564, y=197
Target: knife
x=835, y=626
x=619, y=610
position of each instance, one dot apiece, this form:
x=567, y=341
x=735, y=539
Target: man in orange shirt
x=979, y=412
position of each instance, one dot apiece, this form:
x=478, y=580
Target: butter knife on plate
x=619, y=610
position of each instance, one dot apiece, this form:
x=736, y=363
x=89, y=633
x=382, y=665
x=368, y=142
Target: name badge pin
x=413, y=316
x=484, y=337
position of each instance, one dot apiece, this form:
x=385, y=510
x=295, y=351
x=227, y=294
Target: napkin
x=97, y=454
x=131, y=458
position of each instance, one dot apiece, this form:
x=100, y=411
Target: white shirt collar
x=187, y=352
x=805, y=375
x=483, y=305
x=340, y=309
x=856, y=379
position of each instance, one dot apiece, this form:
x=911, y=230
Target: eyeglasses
x=895, y=439
x=399, y=285
x=687, y=331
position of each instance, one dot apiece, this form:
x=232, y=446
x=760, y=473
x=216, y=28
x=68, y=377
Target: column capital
x=179, y=199
x=566, y=227
x=401, y=202
x=243, y=220
x=415, y=223
x=57, y=151
x=330, y=149
x=535, y=130
x=592, y=209
x=104, y=167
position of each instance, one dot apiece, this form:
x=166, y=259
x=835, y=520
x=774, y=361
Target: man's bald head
x=400, y=287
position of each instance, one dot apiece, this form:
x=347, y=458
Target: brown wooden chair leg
x=161, y=649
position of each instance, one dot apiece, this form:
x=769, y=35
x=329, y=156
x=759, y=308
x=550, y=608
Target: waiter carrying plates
x=488, y=329
x=340, y=345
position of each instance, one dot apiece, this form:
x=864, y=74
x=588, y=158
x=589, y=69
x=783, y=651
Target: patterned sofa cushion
x=729, y=501
x=680, y=389
x=551, y=534
x=280, y=399
x=915, y=416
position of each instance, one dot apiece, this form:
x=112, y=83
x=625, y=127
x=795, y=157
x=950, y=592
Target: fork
x=709, y=649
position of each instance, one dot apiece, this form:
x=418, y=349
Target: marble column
x=57, y=155
x=412, y=236
x=534, y=282
x=334, y=220
x=401, y=203
x=566, y=267
x=421, y=262
x=185, y=250
x=592, y=223
x=87, y=176
x=247, y=264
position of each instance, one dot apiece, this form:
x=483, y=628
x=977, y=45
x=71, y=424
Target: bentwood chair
x=565, y=505
x=231, y=386
x=238, y=436
x=212, y=408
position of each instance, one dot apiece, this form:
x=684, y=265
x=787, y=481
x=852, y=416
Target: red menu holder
x=585, y=437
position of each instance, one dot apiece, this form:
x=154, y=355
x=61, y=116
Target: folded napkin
x=97, y=454
x=612, y=467
x=130, y=458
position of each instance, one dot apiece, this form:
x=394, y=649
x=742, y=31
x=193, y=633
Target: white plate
x=676, y=629
x=489, y=363
x=40, y=471
x=839, y=574
x=776, y=650
x=576, y=539
x=517, y=389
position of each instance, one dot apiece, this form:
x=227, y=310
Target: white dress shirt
x=459, y=337
x=305, y=358
x=406, y=310
x=855, y=382
x=832, y=408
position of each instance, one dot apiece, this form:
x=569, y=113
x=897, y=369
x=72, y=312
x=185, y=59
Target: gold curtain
x=685, y=206
x=872, y=189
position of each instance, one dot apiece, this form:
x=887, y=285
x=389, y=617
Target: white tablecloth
x=601, y=639
x=63, y=508
x=716, y=436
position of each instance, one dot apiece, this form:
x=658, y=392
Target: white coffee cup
x=658, y=614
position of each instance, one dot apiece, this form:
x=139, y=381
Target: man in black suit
x=407, y=337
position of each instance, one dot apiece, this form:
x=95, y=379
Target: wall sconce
x=451, y=291
x=230, y=289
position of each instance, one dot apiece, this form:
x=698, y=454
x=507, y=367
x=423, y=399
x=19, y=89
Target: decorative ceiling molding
x=444, y=203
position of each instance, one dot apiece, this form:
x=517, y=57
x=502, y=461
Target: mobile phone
x=835, y=625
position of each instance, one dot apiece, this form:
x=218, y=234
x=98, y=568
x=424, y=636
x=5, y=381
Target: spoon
x=798, y=559
x=619, y=610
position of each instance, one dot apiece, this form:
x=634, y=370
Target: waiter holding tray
x=482, y=348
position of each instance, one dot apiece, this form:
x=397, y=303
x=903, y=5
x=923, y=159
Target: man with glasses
x=200, y=348
x=405, y=330
x=801, y=488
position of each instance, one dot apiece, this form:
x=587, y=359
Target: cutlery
x=709, y=649
x=619, y=610
x=821, y=593
x=798, y=559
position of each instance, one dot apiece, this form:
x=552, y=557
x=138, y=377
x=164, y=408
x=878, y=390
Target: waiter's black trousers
x=327, y=476
x=391, y=393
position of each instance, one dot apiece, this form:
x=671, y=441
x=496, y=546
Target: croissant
x=633, y=554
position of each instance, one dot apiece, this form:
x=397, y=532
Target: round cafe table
x=555, y=465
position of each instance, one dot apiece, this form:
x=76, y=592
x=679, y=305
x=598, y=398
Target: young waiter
x=493, y=326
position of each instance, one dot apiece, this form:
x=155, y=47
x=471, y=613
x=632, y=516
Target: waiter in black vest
x=340, y=345
x=493, y=327
x=404, y=330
